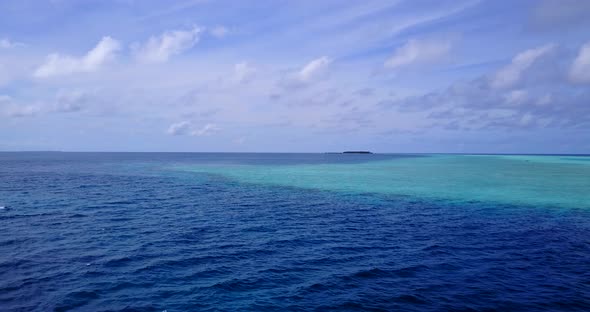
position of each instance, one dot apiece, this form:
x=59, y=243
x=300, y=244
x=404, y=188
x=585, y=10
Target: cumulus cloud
x=57, y=64
x=159, y=49
x=69, y=101
x=314, y=69
x=206, y=130
x=310, y=73
x=6, y=43
x=526, y=119
x=10, y=108
x=418, y=52
x=512, y=73
x=23, y=111
x=219, y=31
x=479, y=104
x=63, y=102
x=580, y=68
x=545, y=99
x=188, y=128
x=516, y=97
x=179, y=128
x=243, y=72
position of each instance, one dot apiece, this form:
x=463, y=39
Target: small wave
x=212, y=273
x=84, y=295
x=76, y=299
x=372, y=273
x=406, y=272
x=13, y=241
x=346, y=306
x=77, y=215
x=118, y=262
x=129, y=285
x=121, y=202
x=410, y=271
x=175, y=264
x=237, y=285
x=409, y=299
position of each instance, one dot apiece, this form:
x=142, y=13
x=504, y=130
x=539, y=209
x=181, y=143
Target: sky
x=397, y=76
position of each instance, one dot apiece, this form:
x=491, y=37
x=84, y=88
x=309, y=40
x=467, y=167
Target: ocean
x=293, y=232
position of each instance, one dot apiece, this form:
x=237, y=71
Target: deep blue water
x=126, y=232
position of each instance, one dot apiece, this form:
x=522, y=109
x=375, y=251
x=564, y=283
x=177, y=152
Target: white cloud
x=310, y=72
x=544, y=100
x=526, y=119
x=179, y=128
x=219, y=31
x=511, y=74
x=516, y=97
x=314, y=68
x=9, y=108
x=580, y=68
x=533, y=91
x=6, y=43
x=63, y=102
x=187, y=128
x=419, y=52
x=243, y=72
x=206, y=130
x=23, y=111
x=159, y=49
x=69, y=101
x=57, y=64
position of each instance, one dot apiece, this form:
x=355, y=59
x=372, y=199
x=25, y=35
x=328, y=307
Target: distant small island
x=351, y=152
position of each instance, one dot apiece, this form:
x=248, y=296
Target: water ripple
x=99, y=238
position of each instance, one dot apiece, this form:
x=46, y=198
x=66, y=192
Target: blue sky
x=295, y=76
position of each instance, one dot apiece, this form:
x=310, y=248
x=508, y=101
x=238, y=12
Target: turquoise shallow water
x=293, y=232
x=557, y=181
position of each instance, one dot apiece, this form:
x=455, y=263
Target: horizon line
x=337, y=153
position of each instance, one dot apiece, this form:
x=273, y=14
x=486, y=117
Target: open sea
x=293, y=232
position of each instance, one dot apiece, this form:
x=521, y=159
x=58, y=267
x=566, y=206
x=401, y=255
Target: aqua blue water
x=293, y=232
